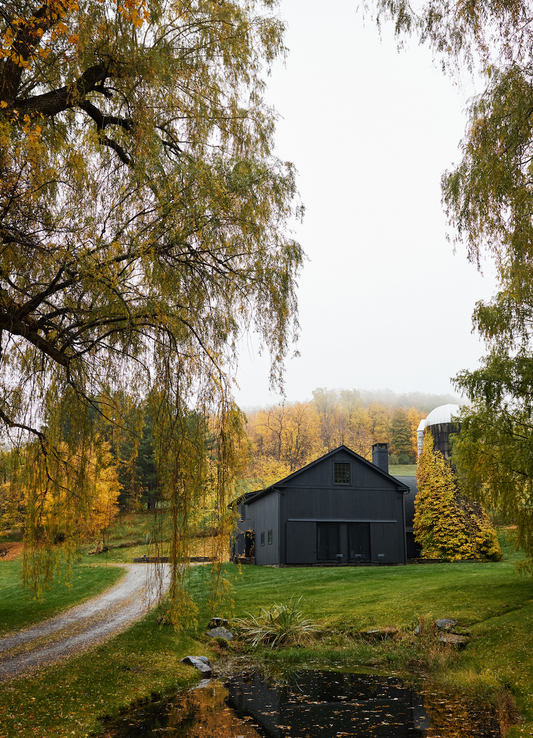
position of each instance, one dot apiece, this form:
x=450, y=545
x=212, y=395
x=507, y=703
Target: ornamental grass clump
x=283, y=624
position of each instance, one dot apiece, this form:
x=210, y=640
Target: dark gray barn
x=339, y=509
x=414, y=550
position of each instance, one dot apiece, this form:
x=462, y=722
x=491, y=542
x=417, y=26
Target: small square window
x=341, y=472
x=269, y=537
x=263, y=538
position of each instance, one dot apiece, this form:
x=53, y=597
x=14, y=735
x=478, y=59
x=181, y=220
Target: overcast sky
x=384, y=301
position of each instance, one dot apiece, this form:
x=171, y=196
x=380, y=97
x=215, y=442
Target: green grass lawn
x=490, y=600
x=20, y=608
x=402, y=470
x=68, y=699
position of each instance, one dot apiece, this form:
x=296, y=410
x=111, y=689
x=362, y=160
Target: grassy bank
x=489, y=600
x=19, y=608
x=67, y=699
x=135, y=534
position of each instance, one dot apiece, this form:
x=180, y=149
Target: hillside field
x=490, y=600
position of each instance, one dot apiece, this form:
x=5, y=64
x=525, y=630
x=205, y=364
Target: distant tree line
x=285, y=437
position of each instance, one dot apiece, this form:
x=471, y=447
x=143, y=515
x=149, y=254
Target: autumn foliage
x=446, y=525
x=283, y=438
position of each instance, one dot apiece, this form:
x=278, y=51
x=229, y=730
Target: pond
x=308, y=704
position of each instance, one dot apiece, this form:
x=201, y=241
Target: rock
x=216, y=622
x=446, y=624
x=202, y=684
x=220, y=633
x=379, y=634
x=201, y=663
x=453, y=639
x=204, y=660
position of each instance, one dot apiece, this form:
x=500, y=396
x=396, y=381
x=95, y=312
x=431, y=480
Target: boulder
x=446, y=623
x=201, y=663
x=220, y=632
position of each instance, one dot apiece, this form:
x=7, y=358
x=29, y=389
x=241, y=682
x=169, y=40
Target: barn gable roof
x=252, y=497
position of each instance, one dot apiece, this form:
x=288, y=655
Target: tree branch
x=56, y=101
x=27, y=329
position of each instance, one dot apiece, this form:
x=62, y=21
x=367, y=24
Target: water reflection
x=329, y=704
x=198, y=713
x=311, y=704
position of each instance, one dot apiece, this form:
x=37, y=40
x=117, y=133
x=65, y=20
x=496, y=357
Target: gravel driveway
x=85, y=625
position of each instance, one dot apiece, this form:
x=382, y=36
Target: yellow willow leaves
x=54, y=20
x=57, y=509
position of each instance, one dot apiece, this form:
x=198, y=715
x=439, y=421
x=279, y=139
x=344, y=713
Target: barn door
x=301, y=542
x=329, y=541
x=359, y=542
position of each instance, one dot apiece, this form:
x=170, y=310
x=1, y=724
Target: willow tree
x=489, y=201
x=143, y=225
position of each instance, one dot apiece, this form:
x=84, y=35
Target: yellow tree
x=12, y=463
x=445, y=525
x=360, y=436
x=343, y=420
x=286, y=434
x=142, y=221
x=303, y=437
x=52, y=495
x=270, y=431
x=266, y=429
x=357, y=426
x=326, y=405
x=379, y=422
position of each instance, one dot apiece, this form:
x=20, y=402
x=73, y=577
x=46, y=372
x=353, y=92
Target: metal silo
x=440, y=423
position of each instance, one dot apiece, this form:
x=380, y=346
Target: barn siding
x=266, y=516
x=300, y=539
x=351, y=504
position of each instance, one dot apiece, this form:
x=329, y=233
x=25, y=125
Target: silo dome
x=441, y=425
x=443, y=414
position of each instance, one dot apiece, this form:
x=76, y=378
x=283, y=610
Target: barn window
x=341, y=472
x=263, y=538
x=269, y=537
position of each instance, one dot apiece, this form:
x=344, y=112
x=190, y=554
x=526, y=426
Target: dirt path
x=85, y=625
